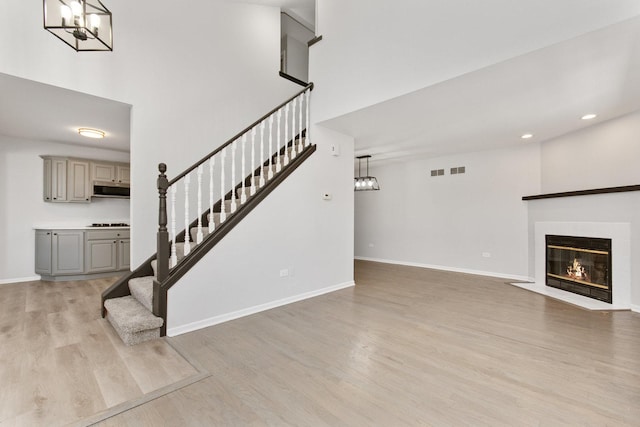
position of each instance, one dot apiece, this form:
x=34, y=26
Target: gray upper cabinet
x=105, y=172
x=78, y=185
x=71, y=180
x=110, y=172
x=65, y=180
x=123, y=173
x=54, y=180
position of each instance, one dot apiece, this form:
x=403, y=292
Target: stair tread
x=131, y=316
x=142, y=290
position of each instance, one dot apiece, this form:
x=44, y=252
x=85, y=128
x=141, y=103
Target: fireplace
x=581, y=265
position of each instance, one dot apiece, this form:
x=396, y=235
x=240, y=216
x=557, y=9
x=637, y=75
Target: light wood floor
x=60, y=362
x=415, y=347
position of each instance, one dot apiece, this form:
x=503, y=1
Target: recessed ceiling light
x=527, y=136
x=91, y=133
x=589, y=116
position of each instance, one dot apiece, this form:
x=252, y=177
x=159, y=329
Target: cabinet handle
x=118, y=235
x=48, y=234
x=54, y=198
x=114, y=241
x=55, y=234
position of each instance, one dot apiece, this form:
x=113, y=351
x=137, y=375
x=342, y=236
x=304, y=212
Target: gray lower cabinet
x=101, y=256
x=124, y=257
x=107, y=250
x=43, y=251
x=67, y=252
x=79, y=252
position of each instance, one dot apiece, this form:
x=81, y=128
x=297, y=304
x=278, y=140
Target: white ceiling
x=41, y=112
x=544, y=92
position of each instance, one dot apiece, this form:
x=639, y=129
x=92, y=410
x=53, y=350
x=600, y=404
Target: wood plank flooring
x=406, y=346
x=60, y=362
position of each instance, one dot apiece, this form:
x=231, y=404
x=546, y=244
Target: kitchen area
x=82, y=251
x=54, y=179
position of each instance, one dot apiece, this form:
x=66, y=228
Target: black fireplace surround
x=581, y=265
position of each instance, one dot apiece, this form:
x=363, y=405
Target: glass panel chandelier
x=85, y=25
x=364, y=183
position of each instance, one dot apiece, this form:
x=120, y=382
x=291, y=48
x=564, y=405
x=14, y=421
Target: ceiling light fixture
x=527, y=136
x=85, y=25
x=91, y=133
x=589, y=116
x=365, y=183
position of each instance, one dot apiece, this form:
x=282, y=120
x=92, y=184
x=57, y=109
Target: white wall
x=450, y=221
x=293, y=229
x=23, y=208
x=375, y=50
x=602, y=155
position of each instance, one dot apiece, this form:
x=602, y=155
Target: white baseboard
x=635, y=308
x=453, y=269
x=19, y=279
x=179, y=330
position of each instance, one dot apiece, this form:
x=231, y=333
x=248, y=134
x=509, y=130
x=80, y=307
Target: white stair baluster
x=243, y=197
x=223, y=214
x=253, y=160
x=286, y=134
x=199, y=235
x=212, y=225
x=270, y=171
x=262, y=125
x=300, y=146
x=293, y=129
x=233, y=175
x=187, y=245
x=278, y=165
x=174, y=256
x=307, y=140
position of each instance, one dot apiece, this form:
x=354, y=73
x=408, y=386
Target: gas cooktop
x=109, y=224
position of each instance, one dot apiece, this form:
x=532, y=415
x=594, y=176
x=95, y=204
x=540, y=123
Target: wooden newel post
x=159, y=297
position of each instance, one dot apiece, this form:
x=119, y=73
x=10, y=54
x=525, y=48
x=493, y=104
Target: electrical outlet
x=486, y=254
x=284, y=272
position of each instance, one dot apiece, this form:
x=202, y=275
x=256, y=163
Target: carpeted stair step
x=227, y=206
x=132, y=321
x=142, y=290
x=194, y=233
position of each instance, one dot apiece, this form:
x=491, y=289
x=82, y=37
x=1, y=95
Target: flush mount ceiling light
x=365, y=183
x=91, y=133
x=589, y=116
x=85, y=25
x=527, y=136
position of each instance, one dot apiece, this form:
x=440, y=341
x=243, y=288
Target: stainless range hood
x=111, y=189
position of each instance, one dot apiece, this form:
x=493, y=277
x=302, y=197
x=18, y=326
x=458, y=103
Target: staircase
x=136, y=305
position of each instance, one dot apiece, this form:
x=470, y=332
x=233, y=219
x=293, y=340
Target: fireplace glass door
x=581, y=265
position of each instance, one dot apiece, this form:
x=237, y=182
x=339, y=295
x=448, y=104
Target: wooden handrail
x=238, y=135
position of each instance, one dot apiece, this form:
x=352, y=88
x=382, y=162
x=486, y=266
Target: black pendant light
x=85, y=25
x=365, y=183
